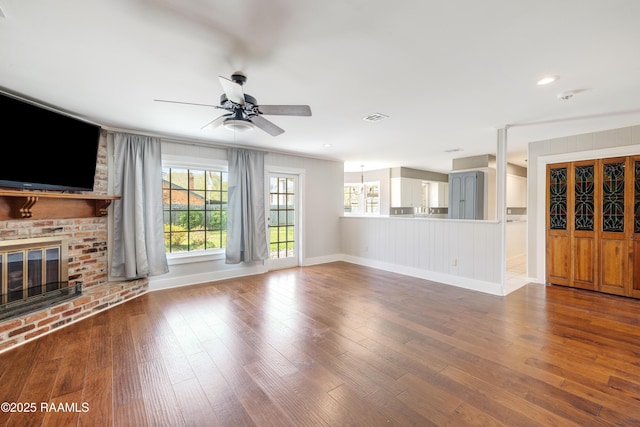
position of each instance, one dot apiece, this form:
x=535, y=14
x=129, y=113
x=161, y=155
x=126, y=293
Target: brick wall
x=87, y=263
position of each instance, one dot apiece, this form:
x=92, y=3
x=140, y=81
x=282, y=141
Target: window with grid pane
x=195, y=209
x=363, y=198
x=281, y=217
x=351, y=196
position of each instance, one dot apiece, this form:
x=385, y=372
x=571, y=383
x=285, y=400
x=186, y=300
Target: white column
x=501, y=201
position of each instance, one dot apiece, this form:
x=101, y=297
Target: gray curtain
x=138, y=229
x=246, y=227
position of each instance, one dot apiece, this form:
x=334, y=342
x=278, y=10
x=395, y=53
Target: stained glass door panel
x=558, y=183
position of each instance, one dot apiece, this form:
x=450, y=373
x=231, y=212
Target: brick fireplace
x=84, y=245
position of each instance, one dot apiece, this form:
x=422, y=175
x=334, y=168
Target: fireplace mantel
x=16, y=204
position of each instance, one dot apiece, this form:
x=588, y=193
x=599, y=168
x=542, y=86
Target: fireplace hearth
x=34, y=274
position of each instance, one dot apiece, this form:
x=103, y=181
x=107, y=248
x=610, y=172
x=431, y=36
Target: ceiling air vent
x=375, y=117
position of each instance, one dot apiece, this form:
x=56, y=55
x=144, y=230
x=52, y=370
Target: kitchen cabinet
x=406, y=192
x=466, y=195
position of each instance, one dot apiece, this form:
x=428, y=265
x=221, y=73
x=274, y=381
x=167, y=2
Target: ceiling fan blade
x=187, y=103
x=216, y=122
x=266, y=125
x=233, y=90
x=285, y=110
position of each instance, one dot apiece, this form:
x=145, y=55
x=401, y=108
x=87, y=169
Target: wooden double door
x=593, y=225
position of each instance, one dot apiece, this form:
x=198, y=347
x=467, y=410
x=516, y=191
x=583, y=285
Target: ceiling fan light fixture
x=238, y=125
x=242, y=110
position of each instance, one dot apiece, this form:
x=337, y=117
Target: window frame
x=363, y=203
x=216, y=165
x=358, y=204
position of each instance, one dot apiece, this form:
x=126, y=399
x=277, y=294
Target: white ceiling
x=447, y=73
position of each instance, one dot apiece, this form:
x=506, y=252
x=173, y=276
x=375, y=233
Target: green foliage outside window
x=195, y=209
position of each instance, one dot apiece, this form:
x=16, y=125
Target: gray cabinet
x=466, y=195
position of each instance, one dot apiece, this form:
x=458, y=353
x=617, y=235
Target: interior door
x=634, y=229
x=283, y=221
x=614, y=244
x=584, y=221
x=558, y=255
x=593, y=225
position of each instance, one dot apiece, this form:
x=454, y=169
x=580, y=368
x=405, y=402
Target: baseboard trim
x=447, y=279
x=322, y=260
x=156, y=284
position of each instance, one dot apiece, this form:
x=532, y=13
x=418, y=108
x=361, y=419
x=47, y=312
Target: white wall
x=611, y=143
x=321, y=188
x=516, y=191
x=516, y=239
x=456, y=252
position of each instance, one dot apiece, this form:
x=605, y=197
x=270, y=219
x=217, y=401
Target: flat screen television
x=43, y=149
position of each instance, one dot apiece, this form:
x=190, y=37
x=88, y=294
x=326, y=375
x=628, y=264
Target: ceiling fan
x=243, y=111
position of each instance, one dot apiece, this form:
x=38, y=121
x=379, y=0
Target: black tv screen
x=44, y=149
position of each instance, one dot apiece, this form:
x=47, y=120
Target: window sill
x=193, y=257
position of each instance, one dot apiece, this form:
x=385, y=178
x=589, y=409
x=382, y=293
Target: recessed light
x=547, y=79
x=326, y=145
x=453, y=150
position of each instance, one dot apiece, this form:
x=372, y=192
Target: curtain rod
x=180, y=140
x=212, y=144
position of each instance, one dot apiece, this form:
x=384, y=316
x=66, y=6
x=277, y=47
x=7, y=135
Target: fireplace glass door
x=15, y=276
x=29, y=272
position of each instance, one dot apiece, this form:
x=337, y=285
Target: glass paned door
x=558, y=254
x=283, y=221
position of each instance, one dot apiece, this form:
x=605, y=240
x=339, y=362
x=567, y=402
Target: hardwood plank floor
x=335, y=344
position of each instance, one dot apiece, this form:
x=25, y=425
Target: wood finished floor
x=336, y=344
